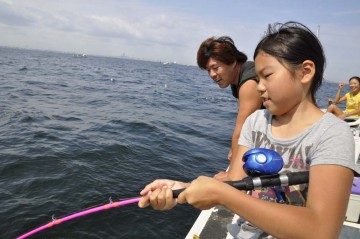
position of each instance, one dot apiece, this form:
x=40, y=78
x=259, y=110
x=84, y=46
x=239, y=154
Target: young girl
x=352, y=99
x=289, y=63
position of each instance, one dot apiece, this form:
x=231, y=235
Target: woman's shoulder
x=247, y=73
x=249, y=64
x=248, y=67
x=357, y=96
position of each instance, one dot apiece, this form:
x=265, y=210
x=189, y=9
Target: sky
x=171, y=31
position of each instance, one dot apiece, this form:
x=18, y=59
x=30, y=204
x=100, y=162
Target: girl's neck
x=295, y=121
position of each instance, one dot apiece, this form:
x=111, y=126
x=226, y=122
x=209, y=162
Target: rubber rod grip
x=248, y=183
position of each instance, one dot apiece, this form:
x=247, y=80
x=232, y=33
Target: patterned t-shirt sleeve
x=336, y=146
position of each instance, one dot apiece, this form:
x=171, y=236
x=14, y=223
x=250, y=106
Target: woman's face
x=354, y=85
x=221, y=73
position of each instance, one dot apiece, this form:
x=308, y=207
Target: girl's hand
x=341, y=85
x=159, y=194
x=203, y=193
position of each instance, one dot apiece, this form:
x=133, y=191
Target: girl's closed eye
x=264, y=76
x=268, y=75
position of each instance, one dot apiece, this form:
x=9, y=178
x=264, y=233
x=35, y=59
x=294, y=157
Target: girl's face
x=280, y=89
x=221, y=73
x=354, y=86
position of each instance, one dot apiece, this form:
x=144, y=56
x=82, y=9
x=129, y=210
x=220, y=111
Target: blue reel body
x=260, y=161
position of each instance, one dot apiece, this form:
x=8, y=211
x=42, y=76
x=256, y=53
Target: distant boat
x=79, y=55
x=168, y=63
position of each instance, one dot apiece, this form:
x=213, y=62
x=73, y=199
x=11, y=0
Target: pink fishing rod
x=80, y=214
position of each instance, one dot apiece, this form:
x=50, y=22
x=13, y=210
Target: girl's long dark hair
x=292, y=43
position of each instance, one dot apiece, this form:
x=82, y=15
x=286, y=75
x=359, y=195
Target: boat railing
x=354, y=123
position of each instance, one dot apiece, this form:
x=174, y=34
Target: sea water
x=78, y=132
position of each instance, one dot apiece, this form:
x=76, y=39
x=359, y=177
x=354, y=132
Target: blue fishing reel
x=261, y=161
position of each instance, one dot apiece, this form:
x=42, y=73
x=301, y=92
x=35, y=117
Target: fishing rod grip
x=264, y=181
x=177, y=192
x=298, y=178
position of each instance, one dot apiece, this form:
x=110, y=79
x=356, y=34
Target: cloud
x=170, y=30
x=114, y=27
x=145, y=24
x=14, y=17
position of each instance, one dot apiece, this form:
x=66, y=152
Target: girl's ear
x=308, y=70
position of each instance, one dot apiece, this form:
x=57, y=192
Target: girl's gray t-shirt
x=328, y=141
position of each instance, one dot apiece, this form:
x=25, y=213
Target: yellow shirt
x=352, y=102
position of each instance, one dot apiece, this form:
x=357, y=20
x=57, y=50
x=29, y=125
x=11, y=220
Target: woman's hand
x=230, y=154
x=159, y=194
x=341, y=85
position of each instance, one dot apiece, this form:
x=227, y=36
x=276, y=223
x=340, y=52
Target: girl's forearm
x=279, y=220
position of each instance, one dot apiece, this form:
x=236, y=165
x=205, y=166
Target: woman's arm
x=355, y=112
x=236, y=171
x=249, y=101
x=337, y=98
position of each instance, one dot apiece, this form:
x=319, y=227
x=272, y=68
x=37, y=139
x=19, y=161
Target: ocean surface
x=77, y=132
